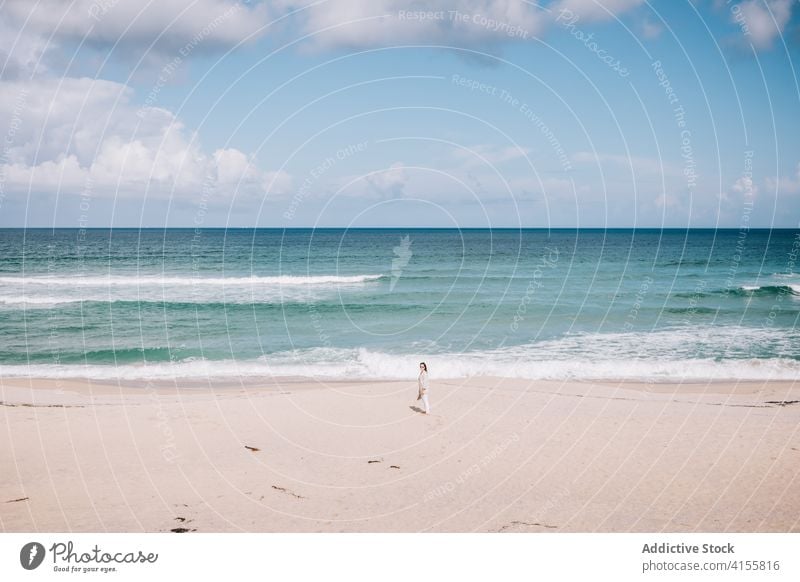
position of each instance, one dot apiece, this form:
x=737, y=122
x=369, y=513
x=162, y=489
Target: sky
x=461, y=113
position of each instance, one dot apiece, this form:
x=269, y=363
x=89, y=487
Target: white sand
x=496, y=455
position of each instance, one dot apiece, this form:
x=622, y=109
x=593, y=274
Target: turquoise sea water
x=371, y=303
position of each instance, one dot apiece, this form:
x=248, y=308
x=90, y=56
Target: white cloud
x=20, y=52
x=172, y=25
x=162, y=23
x=370, y=23
x=367, y=23
x=763, y=20
x=741, y=191
x=745, y=185
x=650, y=30
x=43, y=36
x=73, y=132
x=785, y=184
x=232, y=166
x=389, y=182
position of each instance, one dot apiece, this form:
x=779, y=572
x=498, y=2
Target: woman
x=422, y=381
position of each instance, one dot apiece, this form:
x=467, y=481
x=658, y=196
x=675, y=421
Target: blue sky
x=589, y=113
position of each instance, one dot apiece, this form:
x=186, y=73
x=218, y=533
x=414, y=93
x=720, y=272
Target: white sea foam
x=23, y=301
x=188, y=280
x=792, y=288
x=347, y=364
x=45, y=291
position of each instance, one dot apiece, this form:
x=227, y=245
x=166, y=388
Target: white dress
x=422, y=381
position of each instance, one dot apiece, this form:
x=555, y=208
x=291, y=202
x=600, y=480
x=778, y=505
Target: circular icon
x=31, y=555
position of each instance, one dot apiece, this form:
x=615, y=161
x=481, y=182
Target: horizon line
x=456, y=228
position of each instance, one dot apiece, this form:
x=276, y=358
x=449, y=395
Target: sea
x=351, y=304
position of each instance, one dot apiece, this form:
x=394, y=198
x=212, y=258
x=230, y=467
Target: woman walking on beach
x=422, y=381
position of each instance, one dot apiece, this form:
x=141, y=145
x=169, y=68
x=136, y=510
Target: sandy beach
x=496, y=455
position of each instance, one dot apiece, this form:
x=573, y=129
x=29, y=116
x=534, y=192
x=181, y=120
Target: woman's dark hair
x=424, y=365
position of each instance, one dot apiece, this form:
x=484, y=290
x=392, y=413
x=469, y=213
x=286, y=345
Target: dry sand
x=496, y=455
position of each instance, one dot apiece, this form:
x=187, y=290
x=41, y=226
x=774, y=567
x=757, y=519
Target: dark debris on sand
x=287, y=491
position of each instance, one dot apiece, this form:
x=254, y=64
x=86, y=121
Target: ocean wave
x=386, y=367
x=554, y=360
x=46, y=292
x=789, y=288
x=286, y=304
x=693, y=310
x=686, y=262
x=766, y=290
x=189, y=280
x=42, y=302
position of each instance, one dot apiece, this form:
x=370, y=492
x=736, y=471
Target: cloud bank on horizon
x=358, y=113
